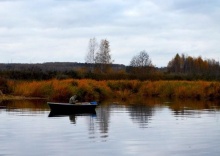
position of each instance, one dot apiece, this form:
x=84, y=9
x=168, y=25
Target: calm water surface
x=154, y=128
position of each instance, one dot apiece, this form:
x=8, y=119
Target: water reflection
x=24, y=107
x=141, y=114
x=192, y=108
x=72, y=116
x=103, y=119
x=115, y=129
x=141, y=110
x=32, y=105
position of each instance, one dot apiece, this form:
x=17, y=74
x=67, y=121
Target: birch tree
x=103, y=56
x=92, y=49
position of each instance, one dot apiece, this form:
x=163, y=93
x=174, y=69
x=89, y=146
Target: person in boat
x=73, y=100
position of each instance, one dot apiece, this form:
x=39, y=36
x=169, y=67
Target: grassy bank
x=16, y=97
x=86, y=89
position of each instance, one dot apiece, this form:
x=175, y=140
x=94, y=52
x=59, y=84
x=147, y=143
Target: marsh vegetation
x=125, y=90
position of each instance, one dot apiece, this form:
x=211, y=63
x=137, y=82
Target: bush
x=88, y=90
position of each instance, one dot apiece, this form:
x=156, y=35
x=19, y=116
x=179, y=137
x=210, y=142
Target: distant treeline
x=51, y=66
x=59, y=70
x=181, y=67
x=187, y=67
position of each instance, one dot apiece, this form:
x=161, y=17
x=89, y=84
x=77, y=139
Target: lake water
x=153, y=127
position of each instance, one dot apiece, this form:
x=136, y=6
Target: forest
x=99, y=65
x=181, y=67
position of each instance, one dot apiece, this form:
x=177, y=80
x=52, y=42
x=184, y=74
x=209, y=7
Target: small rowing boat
x=2, y=107
x=83, y=107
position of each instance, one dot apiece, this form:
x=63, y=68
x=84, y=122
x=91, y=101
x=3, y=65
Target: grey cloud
x=196, y=6
x=158, y=26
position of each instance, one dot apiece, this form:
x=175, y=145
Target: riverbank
x=87, y=89
x=12, y=97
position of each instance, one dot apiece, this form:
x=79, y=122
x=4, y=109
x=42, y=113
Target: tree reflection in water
x=103, y=118
x=25, y=107
x=98, y=122
x=192, y=108
x=141, y=114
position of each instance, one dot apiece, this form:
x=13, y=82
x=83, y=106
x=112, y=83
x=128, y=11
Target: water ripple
x=114, y=130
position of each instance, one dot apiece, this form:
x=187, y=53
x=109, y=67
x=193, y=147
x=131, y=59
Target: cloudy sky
x=37, y=31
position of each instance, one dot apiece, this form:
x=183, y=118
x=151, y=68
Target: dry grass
x=88, y=89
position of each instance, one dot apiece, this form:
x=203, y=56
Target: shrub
x=87, y=89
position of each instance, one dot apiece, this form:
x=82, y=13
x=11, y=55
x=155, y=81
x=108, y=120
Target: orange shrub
x=121, y=85
x=87, y=89
x=61, y=90
x=150, y=88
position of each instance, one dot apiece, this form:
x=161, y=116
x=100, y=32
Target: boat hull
x=76, y=113
x=72, y=108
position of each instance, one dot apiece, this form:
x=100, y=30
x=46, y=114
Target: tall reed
x=88, y=89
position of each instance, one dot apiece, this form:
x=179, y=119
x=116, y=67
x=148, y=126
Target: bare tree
x=141, y=62
x=92, y=48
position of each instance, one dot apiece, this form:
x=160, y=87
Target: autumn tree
x=194, y=66
x=103, y=57
x=141, y=63
x=175, y=64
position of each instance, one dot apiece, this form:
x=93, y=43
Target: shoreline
x=13, y=97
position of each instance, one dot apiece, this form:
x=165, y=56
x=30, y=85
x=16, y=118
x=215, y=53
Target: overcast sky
x=37, y=31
